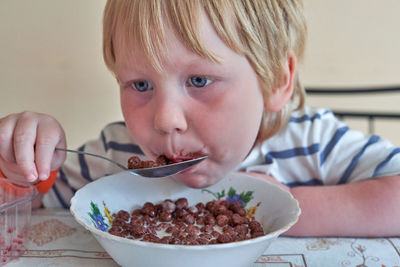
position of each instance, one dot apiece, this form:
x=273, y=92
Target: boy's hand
x=27, y=142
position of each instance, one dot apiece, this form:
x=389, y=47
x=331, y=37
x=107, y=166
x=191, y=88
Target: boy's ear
x=283, y=88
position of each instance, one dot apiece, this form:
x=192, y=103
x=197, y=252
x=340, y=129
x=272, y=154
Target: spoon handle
x=93, y=155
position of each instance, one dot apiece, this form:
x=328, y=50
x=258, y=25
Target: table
x=56, y=239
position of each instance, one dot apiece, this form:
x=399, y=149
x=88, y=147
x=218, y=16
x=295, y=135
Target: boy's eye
x=198, y=81
x=142, y=86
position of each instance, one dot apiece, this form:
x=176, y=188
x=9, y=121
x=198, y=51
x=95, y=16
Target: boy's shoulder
x=305, y=127
x=311, y=120
x=116, y=138
x=115, y=125
x=310, y=115
x=116, y=132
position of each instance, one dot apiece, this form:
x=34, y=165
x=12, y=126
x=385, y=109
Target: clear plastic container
x=15, y=213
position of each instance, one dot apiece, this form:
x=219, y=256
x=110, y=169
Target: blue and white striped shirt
x=314, y=148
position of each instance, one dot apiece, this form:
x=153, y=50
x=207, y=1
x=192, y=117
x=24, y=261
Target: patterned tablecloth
x=56, y=239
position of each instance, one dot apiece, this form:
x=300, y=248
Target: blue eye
x=142, y=86
x=198, y=81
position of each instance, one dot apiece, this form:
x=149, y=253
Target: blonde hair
x=265, y=31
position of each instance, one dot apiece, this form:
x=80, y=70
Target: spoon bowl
x=167, y=170
x=154, y=172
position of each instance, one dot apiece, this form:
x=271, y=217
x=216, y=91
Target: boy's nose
x=169, y=116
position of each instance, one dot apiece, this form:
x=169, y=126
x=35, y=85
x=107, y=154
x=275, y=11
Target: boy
x=219, y=78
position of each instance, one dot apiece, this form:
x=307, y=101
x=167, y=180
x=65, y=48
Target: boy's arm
x=366, y=208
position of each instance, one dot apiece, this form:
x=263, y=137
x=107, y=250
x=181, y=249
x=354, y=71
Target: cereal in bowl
x=175, y=222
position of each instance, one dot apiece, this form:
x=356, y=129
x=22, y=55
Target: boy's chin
x=196, y=180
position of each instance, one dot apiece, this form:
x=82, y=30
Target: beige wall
x=50, y=54
x=355, y=43
x=51, y=61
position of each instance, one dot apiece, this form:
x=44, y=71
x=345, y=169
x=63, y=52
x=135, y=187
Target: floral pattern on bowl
x=97, y=217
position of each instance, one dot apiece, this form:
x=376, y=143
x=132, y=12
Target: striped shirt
x=314, y=148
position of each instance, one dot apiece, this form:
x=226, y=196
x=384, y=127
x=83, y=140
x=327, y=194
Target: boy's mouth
x=180, y=158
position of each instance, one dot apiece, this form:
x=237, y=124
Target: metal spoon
x=155, y=172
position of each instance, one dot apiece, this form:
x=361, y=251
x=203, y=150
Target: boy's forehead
x=129, y=50
x=132, y=54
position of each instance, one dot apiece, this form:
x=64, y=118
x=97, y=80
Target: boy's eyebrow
x=195, y=62
x=121, y=73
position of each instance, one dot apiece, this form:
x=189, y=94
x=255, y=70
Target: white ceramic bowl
x=277, y=212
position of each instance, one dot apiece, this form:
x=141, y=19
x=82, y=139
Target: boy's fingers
x=59, y=156
x=7, y=125
x=24, y=140
x=48, y=137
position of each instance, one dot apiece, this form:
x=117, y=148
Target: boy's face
x=192, y=106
